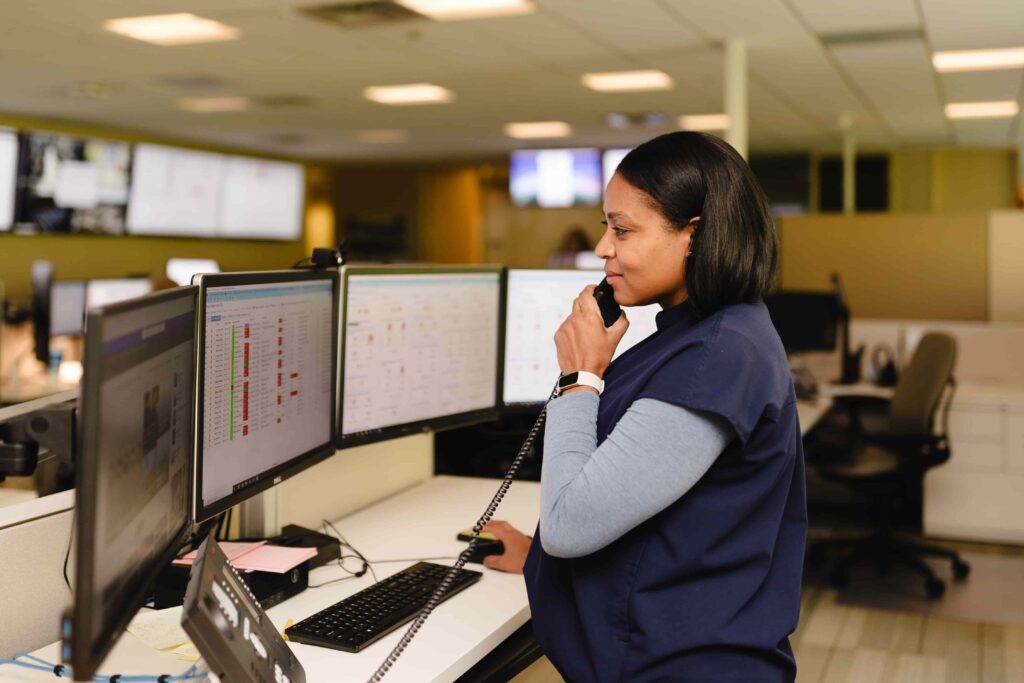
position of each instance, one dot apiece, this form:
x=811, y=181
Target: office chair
x=887, y=467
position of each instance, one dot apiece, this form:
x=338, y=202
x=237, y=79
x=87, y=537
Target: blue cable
x=63, y=672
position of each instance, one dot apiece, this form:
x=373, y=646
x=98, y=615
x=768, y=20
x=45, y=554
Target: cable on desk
x=67, y=553
x=344, y=543
x=61, y=671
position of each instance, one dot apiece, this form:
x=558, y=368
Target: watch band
x=580, y=378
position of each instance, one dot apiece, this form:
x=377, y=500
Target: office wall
x=912, y=265
x=1006, y=266
x=450, y=215
x=951, y=179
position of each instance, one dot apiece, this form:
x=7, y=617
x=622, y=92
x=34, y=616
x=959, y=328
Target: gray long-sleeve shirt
x=591, y=496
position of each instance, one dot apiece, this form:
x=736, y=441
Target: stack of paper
x=257, y=557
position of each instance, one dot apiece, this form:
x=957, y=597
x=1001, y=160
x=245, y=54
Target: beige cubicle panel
x=1006, y=266
x=893, y=265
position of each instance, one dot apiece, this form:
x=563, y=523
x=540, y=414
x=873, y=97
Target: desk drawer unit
x=979, y=493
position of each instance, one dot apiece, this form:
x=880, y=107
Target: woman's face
x=645, y=257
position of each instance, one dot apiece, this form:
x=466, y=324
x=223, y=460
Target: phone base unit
x=230, y=629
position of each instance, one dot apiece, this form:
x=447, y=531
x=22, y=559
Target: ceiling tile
x=974, y=25
x=854, y=17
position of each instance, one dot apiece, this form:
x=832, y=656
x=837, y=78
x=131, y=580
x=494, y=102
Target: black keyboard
x=363, y=618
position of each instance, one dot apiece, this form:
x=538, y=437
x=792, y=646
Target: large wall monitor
x=187, y=193
x=536, y=304
x=8, y=176
x=555, y=178
x=174, y=191
x=268, y=355
x=133, y=473
x=610, y=160
x=71, y=184
x=421, y=349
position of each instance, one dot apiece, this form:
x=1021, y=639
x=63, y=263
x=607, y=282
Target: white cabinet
x=979, y=493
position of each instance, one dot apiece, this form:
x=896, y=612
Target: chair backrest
x=921, y=385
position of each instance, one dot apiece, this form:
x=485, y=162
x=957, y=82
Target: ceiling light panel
x=538, y=129
x=172, y=29
x=978, y=60
x=412, y=93
x=457, y=10
x=704, y=122
x=628, y=81
x=982, y=110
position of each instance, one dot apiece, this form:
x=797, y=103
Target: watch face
x=568, y=380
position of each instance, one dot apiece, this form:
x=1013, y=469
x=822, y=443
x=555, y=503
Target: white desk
x=419, y=522
x=810, y=411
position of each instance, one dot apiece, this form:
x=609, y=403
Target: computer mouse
x=484, y=548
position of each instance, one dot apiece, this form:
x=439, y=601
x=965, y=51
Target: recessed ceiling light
x=617, y=120
x=538, y=129
x=413, y=93
x=211, y=105
x=982, y=110
x=172, y=29
x=453, y=10
x=978, y=60
x=628, y=81
x=704, y=122
x=382, y=136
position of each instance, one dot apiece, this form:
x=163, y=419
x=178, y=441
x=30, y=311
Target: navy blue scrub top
x=709, y=588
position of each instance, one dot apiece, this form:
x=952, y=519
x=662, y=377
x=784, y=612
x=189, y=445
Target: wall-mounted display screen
x=261, y=199
x=610, y=161
x=555, y=178
x=175, y=192
x=69, y=184
x=8, y=176
x=185, y=193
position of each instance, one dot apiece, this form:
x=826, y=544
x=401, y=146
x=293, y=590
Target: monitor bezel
x=436, y=424
x=202, y=512
x=89, y=649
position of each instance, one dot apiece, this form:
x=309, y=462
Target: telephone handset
x=610, y=312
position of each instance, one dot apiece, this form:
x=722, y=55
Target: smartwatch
x=581, y=378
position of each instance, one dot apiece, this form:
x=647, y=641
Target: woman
x=673, y=516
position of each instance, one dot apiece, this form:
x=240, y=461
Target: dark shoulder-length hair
x=734, y=253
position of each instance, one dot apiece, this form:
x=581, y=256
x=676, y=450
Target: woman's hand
x=583, y=342
x=517, y=544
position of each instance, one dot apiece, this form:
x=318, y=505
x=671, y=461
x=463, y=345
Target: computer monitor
x=537, y=302
x=132, y=474
x=181, y=270
x=805, y=321
x=610, y=160
x=105, y=292
x=268, y=360
x=67, y=308
x=42, y=281
x=421, y=349
x=8, y=176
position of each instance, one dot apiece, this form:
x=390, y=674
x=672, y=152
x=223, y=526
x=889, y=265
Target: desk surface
x=420, y=522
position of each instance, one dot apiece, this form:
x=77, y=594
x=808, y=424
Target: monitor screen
x=67, y=307
x=805, y=321
x=610, y=161
x=69, y=184
x=555, y=178
x=261, y=199
x=104, y=292
x=136, y=409
x=537, y=302
x=175, y=192
x=8, y=176
x=268, y=381
x=420, y=349
x=180, y=270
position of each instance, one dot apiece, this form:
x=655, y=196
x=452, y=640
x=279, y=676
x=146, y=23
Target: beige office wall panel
x=893, y=265
x=353, y=479
x=450, y=216
x=1006, y=265
x=910, y=180
x=972, y=179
